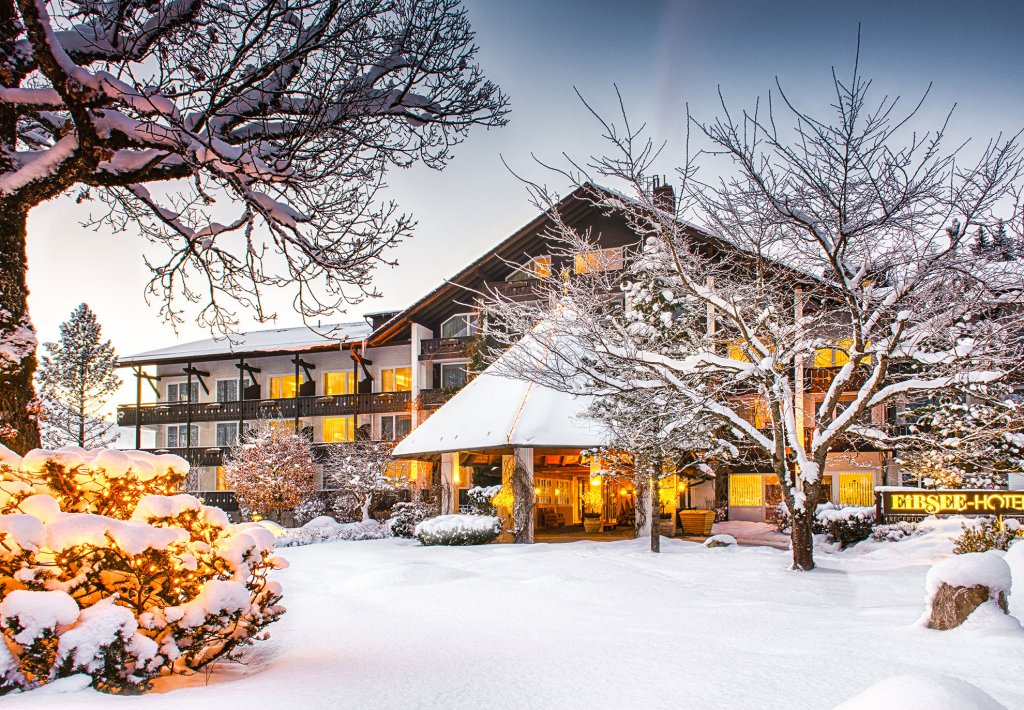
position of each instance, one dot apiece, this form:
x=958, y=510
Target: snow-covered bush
x=481, y=499
x=983, y=534
x=894, y=532
x=846, y=525
x=103, y=571
x=326, y=529
x=720, y=541
x=362, y=474
x=459, y=530
x=405, y=517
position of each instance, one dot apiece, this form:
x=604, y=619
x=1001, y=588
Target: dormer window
x=539, y=267
x=600, y=260
x=459, y=326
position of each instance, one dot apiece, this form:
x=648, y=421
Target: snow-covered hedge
x=894, y=532
x=459, y=530
x=327, y=529
x=846, y=525
x=405, y=517
x=104, y=572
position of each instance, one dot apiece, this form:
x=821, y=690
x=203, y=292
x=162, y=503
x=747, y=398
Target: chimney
x=662, y=194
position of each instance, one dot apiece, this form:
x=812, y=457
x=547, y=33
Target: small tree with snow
x=970, y=441
x=272, y=469
x=361, y=471
x=249, y=139
x=77, y=377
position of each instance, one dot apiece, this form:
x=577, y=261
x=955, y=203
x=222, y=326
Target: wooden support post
x=138, y=407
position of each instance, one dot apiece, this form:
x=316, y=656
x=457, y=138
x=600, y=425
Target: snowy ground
x=391, y=624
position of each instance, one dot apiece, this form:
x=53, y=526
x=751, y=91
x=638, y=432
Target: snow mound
x=1014, y=558
x=975, y=569
x=458, y=530
x=332, y=531
x=850, y=512
x=922, y=692
x=721, y=540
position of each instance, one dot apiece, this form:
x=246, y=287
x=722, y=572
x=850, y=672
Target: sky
x=663, y=56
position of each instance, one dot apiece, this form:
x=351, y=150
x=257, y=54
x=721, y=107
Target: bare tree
x=834, y=239
x=360, y=471
x=249, y=139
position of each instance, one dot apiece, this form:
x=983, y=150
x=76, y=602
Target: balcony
x=440, y=348
x=287, y=408
x=518, y=291
x=436, y=397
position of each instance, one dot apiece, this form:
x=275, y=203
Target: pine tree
x=982, y=244
x=77, y=378
x=1004, y=247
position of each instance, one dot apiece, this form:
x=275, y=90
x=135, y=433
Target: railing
x=319, y=406
x=526, y=290
x=196, y=455
x=436, y=397
x=225, y=500
x=445, y=347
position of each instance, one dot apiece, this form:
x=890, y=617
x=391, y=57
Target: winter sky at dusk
x=660, y=54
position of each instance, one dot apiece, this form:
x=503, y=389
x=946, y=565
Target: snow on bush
x=982, y=534
x=846, y=525
x=922, y=692
x=894, y=532
x=405, y=517
x=481, y=499
x=327, y=529
x=105, y=572
x=459, y=530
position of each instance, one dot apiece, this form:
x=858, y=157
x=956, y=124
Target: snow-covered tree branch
x=247, y=139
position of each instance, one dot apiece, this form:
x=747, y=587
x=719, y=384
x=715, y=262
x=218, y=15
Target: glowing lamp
x=455, y=476
x=558, y=492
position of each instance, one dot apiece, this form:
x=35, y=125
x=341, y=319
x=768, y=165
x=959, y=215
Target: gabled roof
x=273, y=341
x=498, y=412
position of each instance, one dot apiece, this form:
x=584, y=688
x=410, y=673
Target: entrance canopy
x=498, y=412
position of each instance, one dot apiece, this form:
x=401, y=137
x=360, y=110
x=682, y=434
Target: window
x=600, y=260
x=458, y=326
x=339, y=383
x=227, y=390
x=227, y=433
x=856, y=489
x=177, y=436
x=395, y=428
x=398, y=379
x=339, y=429
x=539, y=267
x=745, y=490
x=178, y=392
x=283, y=387
x=453, y=376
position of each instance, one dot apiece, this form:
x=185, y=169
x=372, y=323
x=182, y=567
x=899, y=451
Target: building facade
x=385, y=376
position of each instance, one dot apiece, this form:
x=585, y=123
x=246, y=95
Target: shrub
x=405, y=517
x=459, y=530
x=894, y=532
x=103, y=572
x=984, y=534
x=846, y=525
x=327, y=529
x=482, y=499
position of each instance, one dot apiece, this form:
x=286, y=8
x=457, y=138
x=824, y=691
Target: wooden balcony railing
x=436, y=397
x=519, y=291
x=438, y=348
x=286, y=408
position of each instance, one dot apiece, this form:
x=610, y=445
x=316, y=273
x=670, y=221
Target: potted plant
x=592, y=506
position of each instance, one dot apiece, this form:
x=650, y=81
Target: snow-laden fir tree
x=247, y=139
x=839, y=238
x=77, y=377
x=969, y=441
x=272, y=469
x=361, y=472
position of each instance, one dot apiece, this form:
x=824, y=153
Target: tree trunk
x=522, y=497
x=803, y=541
x=642, y=508
x=653, y=491
x=19, y=425
x=365, y=509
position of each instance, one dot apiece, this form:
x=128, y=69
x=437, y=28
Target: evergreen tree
x=77, y=378
x=982, y=244
x=1004, y=247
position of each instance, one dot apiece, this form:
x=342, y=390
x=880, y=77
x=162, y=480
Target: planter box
x=592, y=525
x=696, y=522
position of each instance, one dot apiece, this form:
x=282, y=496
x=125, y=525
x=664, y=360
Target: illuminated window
x=600, y=260
x=222, y=484
x=761, y=414
x=339, y=383
x=837, y=356
x=339, y=429
x=282, y=387
x=397, y=470
x=856, y=489
x=398, y=379
x=458, y=326
x=745, y=490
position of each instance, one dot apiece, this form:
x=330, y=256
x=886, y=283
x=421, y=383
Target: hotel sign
x=915, y=501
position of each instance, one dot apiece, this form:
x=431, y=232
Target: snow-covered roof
x=258, y=341
x=494, y=411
